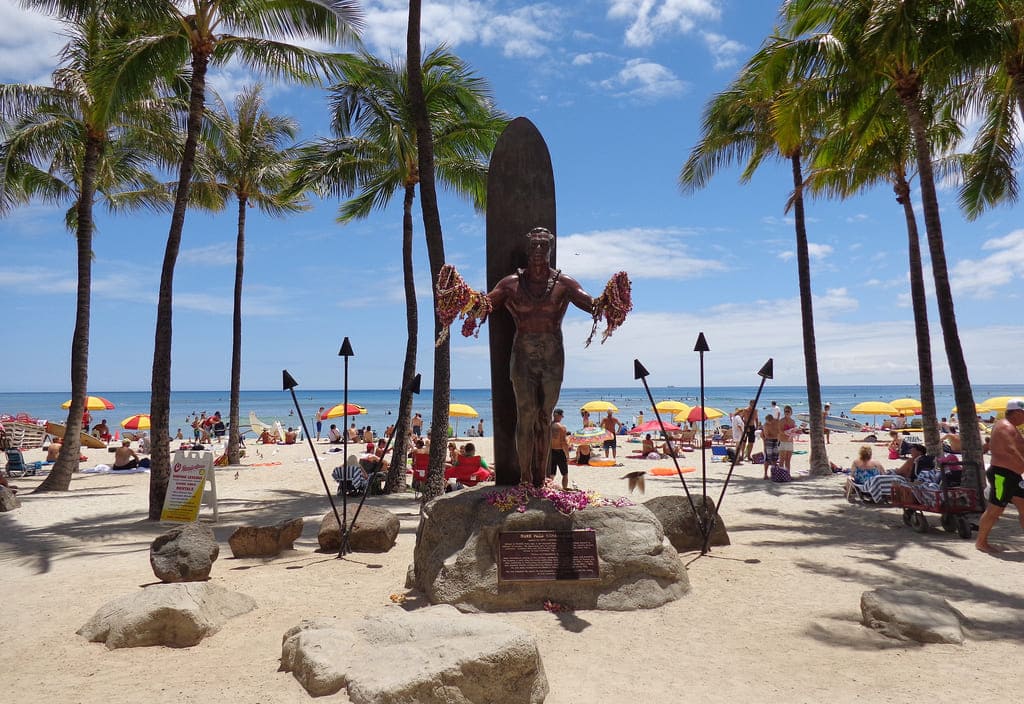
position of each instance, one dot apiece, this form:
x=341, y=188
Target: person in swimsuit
x=559, y=448
x=770, y=435
x=1004, y=474
x=787, y=428
x=125, y=457
x=537, y=298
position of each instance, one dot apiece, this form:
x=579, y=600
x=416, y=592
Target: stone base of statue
x=456, y=560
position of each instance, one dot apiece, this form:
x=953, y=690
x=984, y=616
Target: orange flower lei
x=613, y=305
x=455, y=299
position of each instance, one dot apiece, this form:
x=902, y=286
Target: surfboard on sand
x=842, y=425
x=57, y=430
x=520, y=196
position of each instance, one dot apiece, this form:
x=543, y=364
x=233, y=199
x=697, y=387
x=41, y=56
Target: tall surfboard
x=520, y=196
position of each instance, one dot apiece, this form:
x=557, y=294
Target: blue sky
x=617, y=88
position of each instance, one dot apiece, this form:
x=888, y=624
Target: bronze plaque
x=545, y=555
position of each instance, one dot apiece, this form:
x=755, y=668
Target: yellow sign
x=189, y=472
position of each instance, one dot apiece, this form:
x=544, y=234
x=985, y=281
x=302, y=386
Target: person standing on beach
x=417, y=425
x=319, y=422
x=787, y=429
x=559, y=448
x=775, y=411
x=770, y=434
x=749, y=416
x=480, y=428
x=1004, y=474
x=611, y=424
x=824, y=422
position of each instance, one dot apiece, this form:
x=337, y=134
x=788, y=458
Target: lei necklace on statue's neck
x=525, y=279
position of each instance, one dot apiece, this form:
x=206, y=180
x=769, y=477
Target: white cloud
x=649, y=20
x=524, y=32
x=29, y=44
x=816, y=252
x=660, y=253
x=589, y=58
x=220, y=254
x=645, y=80
x=980, y=278
x=724, y=50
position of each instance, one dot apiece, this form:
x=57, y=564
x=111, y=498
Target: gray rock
x=184, y=554
x=912, y=615
x=265, y=541
x=176, y=615
x=375, y=531
x=8, y=500
x=454, y=561
x=680, y=523
x=434, y=655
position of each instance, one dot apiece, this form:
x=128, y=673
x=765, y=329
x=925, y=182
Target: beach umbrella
x=907, y=406
x=874, y=409
x=354, y=409
x=92, y=403
x=590, y=436
x=696, y=414
x=460, y=410
x=599, y=407
x=139, y=421
x=671, y=406
x=995, y=404
x=652, y=426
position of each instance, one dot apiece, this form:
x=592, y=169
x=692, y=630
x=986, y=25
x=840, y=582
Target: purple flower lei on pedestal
x=565, y=502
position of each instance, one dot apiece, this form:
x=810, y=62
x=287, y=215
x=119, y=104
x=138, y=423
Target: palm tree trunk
x=59, y=478
x=435, y=253
x=160, y=393
x=970, y=437
x=932, y=439
x=819, y=456
x=396, y=473
x=236, y=337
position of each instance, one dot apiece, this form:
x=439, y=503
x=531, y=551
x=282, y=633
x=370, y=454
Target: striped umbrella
x=92, y=403
x=139, y=421
x=354, y=409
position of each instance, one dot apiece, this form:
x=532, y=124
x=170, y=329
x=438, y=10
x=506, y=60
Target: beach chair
x=351, y=478
x=16, y=465
x=420, y=464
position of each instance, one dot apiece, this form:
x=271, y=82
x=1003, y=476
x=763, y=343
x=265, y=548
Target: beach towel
x=107, y=469
x=879, y=487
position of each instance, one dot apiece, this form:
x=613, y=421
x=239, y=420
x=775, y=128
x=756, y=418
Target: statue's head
x=538, y=245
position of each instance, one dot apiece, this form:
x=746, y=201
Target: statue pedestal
x=456, y=556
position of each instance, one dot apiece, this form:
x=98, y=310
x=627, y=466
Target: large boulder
x=433, y=655
x=912, y=615
x=265, y=541
x=680, y=523
x=375, y=530
x=8, y=500
x=176, y=615
x=455, y=560
x=185, y=553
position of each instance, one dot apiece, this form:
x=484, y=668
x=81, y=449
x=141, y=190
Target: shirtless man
x=125, y=457
x=770, y=431
x=749, y=416
x=1004, y=474
x=537, y=297
x=612, y=425
x=559, y=448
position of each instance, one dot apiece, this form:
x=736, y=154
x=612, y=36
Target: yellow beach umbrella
x=340, y=411
x=995, y=404
x=671, y=406
x=599, y=407
x=907, y=406
x=461, y=410
x=694, y=414
x=92, y=403
x=874, y=409
x=139, y=421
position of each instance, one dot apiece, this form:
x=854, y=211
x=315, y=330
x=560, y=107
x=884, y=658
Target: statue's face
x=539, y=250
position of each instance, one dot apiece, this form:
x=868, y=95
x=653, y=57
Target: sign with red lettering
x=189, y=473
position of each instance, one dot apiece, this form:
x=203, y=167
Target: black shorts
x=582, y=459
x=609, y=444
x=750, y=434
x=558, y=461
x=1004, y=486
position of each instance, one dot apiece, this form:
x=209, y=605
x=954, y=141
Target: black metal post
x=345, y=352
x=640, y=372
x=289, y=384
x=765, y=373
x=701, y=347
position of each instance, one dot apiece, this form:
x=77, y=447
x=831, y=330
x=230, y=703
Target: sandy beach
x=772, y=617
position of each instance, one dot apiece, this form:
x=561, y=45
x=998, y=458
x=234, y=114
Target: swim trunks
x=609, y=444
x=558, y=462
x=771, y=451
x=786, y=446
x=1004, y=486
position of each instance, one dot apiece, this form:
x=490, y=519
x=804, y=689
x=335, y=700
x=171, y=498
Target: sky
x=617, y=88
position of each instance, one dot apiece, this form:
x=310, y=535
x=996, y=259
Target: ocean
x=382, y=405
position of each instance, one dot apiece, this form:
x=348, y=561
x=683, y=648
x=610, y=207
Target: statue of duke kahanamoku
x=537, y=298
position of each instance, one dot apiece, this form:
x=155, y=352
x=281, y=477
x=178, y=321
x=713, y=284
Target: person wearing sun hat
x=1004, y=474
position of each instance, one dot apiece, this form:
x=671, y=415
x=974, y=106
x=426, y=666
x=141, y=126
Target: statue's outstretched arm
x=613, y=304
x=455, y=299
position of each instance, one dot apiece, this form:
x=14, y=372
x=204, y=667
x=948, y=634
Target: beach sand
x=773, y=617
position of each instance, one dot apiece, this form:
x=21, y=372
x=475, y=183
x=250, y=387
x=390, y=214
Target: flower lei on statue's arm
x=612, y=305
x=455, y=299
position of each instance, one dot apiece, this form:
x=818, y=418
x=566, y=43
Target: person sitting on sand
x=102, y=431
x=582, y=454
x=951, y=443
x=862, y=468
x=53, y=450
x=290, y=436
x=145, y=444
x=334, y=435
x=648, y=447
x=266, y=438
x=125, y=457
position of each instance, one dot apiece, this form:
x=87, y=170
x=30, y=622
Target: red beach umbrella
x=339, y=411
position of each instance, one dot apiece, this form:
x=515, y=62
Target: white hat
x=1015, y=404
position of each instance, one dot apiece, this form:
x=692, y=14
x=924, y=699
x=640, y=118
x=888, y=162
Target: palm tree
x=76, y=141
x=243, y=154
x=765, y=113
x=869, y=144
x=435, y=251
x=908, y=48
x=374, y=152
x=202, y=36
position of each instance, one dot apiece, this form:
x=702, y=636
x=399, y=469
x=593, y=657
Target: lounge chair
x=17, y=467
